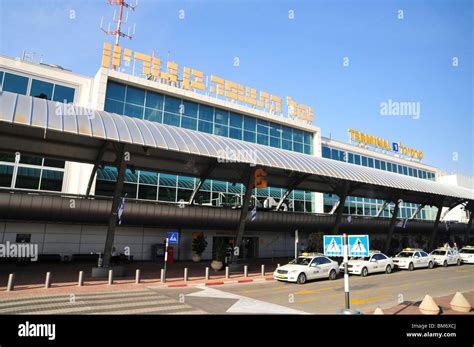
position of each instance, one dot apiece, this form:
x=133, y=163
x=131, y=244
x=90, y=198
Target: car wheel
x=332, y=275
x=459, y=262
x=388, y=269
x=301, y=278
x=364, y=272
x=431, y=265
x=445, y=263
x=411, y=267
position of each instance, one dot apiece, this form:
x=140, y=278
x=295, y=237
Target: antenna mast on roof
x=118, y=33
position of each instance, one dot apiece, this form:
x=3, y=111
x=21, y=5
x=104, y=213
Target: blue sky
x=407, y=59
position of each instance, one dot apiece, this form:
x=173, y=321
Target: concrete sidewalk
x=30, y=278
x=412, y=307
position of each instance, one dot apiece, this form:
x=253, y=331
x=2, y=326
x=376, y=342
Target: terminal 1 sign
x=192, y=79
x=377, y=142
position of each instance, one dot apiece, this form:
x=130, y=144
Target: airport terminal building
x=167, y=100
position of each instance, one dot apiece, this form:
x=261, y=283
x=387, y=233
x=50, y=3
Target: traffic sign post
x=346, y=273
x=173, y=237
x=166, y=260
x=296, y=244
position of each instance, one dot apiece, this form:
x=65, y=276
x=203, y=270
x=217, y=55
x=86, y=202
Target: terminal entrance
x=249, y=248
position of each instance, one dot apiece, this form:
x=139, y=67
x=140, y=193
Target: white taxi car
x=411, y=259
x=375, y=262
x=445, y=257
x=307, y=268
x=467, y=254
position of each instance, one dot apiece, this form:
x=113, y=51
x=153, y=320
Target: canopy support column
x=342, y=200
x=109, y=241
x=467, y=236
x=249, y=184
x=391, y=226
x=434, y=234
x=379, y=213
x=202, y=179
x=296, y=182
x=97, y=161
x=418, y=209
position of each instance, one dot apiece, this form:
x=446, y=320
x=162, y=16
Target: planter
x=217, y=265
x=196, y=258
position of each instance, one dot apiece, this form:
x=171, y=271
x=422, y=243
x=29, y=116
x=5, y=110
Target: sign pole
x=345, y=249
x=166, y=260
x=296, y=244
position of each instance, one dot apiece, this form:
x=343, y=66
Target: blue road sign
x=173, y=237
x=358, y=245
x=333, y=245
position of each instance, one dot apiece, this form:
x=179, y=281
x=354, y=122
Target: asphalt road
x=266, y=297
x=327, y=297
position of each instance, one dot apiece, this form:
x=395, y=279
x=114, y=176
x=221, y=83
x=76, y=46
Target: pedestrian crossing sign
x=173, y=237
x=358, y=245
x=333, y=245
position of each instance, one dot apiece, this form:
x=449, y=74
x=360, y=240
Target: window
x=189, y=123
x=154, y=100
x=133, y=111
x=41, y=89
x=206, y=113
x=249, y=136
x=6, y=175
x=235, y=133
x=236, y=120
x=275, y=130
x=15, y=83
x=276, y=142
x=250, y=124
x=287, y=133
x=221, y=117
x=263, y=140
x=205, y=126
x=172, y=105
x=1, y=78
x=171, y=119
x=383, y=165
x=115, y=91
x=221, y=130
x=410, y=171
x=190, y=109
x=297, y=135
x=377, y=164
x=114, y=106
x=405, y=170
x=52, y=180
x=326, y=152
x=364, y=161
x=28, y=178
x=63, y=94
x=371, y=162
x=357, y=159
x=153, y=115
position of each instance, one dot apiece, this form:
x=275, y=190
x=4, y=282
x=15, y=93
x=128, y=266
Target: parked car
x=375, y=262
x=411, y=259
x=446, y=256
x=467, y=254
x=307, y=268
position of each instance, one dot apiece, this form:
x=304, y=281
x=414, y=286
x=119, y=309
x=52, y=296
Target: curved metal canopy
x=73, y=133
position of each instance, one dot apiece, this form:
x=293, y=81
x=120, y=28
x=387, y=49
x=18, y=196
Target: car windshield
x=360, y=258
x=467, y=250
x=301, y=261
x=405, y=255
x=438, y=252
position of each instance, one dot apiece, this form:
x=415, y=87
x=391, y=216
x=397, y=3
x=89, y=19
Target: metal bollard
x=162, y=276
x=207, y=273
x=227, y=272
x=185, y=274
x=47, y=283
x=111, y=277
x=263, y=270
x=245, y=271
x=278, y=265
x=11, y=282
x=137, y=276
x=80, y=281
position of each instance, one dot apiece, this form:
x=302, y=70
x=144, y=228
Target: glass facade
x=370, y=207
x=156, y=107
x=25, y=172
